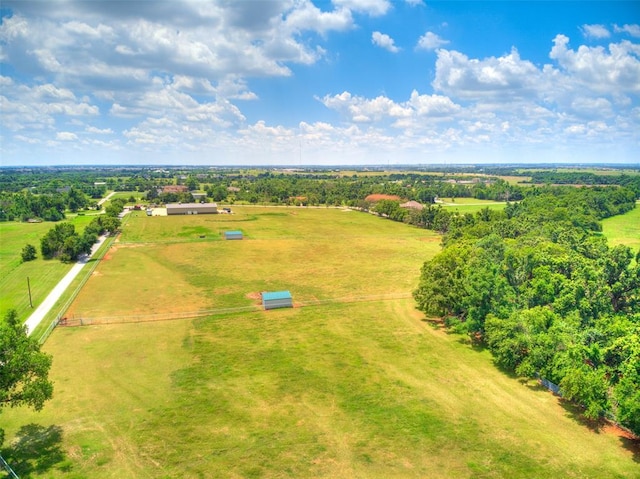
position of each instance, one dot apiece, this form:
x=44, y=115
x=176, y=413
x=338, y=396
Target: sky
x=319, y=82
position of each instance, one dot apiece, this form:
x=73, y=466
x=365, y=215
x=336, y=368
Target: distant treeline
x=583, y=178
x=25, y=205
x=539, y=285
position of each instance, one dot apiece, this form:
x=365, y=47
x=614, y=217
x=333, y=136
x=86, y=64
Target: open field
x=367, y=389
x=470, y=205
x=624, y=229
x=43, y=275
x=183, y=263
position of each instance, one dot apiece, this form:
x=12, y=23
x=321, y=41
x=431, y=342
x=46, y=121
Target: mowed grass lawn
x=367, y=389
x=470, y=205
x=43, y=274
x=624, y=229
x=181, y=263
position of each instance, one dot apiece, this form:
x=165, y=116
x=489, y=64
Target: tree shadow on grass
x=435, y=323
x=603, y=426
x=35, y=450
x=576, y=413
x=633, y=445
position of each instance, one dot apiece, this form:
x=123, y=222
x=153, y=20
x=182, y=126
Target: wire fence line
x=81, y=320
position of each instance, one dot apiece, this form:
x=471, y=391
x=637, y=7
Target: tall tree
x=24, y=369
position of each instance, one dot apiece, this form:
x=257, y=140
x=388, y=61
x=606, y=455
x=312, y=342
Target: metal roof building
x=233, y=235
x=277, y=299
x=191, y=208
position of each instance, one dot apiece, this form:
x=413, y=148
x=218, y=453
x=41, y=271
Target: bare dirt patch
x=616, y=430
x=380, y=197
x=256, y=297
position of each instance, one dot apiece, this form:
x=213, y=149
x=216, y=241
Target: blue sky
x=295, y=82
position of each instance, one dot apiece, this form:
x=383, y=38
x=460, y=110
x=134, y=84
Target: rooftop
x=267, y=296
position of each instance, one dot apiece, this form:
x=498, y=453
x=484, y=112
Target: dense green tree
x=541, y=287
x=29, y=253
x=24, y=369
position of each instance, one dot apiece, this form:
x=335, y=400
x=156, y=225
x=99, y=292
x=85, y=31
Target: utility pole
x=29, y=288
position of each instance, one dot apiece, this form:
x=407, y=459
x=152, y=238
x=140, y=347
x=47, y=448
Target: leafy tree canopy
x=24, y=369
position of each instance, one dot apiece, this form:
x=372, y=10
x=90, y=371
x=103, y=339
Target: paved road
x=101, y=202
x=49, y=302
x=38, y=315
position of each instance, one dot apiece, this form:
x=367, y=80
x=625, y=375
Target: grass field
x=367, y=389
x=43, y=275
x=624, y=229
x=184, y=264
x=470, y=205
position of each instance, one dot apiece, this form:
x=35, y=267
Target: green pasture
x=624, y=229
x=183, y=264
x=342, y=389
x=43, y=274
x=470, y=205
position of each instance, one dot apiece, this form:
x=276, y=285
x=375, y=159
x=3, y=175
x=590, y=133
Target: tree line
x=541, y=288
x=65, y=243
x=25, y=205
x=631, y=182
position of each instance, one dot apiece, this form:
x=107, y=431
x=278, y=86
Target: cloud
x=99, y=131
x=384, y=41
x=633, y=30
x=37, y=107
x=432, y=105
x=309, y=17
x=374, y=8
x=595, y=31
x=362, y=110
x=430, y=41
x=66, y=136
x=614, y=72
x=463, y=77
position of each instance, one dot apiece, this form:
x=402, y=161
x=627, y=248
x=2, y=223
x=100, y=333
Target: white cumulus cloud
x=373, y=8
x=613, y=71
x=66, y=136
x=430, y=41
x=633, y=29
x=507, y=75
x=384, y=41
x=595, y=31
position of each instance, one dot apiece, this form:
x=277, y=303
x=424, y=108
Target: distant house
x=277, y=299
x=233, y=235
x=412, y=205
x=191, y=208
x=233, y=189
x=199, y=196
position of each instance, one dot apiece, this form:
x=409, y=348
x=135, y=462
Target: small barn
x=191, y=208
x=233, y=235
x=277, y=299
